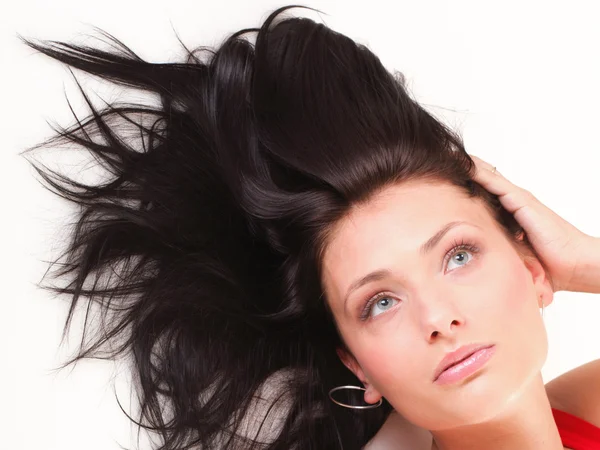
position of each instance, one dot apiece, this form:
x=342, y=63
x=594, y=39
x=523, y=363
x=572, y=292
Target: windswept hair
x=201, y=244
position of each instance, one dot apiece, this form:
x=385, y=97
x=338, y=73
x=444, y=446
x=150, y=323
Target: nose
x=449, y=331
x=440, y=316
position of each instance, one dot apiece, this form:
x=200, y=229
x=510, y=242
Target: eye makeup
x=456, y=247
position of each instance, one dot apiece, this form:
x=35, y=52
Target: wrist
x=586, y=277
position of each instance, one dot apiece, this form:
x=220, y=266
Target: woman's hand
x=571, y=256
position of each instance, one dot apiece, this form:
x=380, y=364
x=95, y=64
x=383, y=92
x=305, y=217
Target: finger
x=529, y=211
x=481, y=164
x=512, y=197
x=491, y=180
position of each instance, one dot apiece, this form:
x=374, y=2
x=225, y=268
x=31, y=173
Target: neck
x=525, y=423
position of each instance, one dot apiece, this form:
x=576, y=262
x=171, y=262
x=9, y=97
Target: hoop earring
x=374, y=405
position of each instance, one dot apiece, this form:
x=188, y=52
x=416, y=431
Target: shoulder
x=578, y=392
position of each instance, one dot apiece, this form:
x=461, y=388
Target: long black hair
x=201, y=244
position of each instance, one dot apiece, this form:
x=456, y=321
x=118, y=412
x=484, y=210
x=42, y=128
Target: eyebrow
x=423, y=250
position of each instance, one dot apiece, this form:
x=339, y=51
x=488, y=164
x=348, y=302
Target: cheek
x=390, y=364
x=515, y=318
x=518, y=294
x=507, y=286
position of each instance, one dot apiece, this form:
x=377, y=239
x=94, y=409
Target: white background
x=519, y=79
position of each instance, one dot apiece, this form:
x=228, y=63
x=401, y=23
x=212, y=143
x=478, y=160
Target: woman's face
x=484, y=292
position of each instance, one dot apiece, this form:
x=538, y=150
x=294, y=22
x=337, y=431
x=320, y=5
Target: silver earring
x=374, y=405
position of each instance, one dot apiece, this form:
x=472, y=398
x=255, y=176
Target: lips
x=458, y=355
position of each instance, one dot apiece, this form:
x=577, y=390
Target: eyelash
x=455, y=247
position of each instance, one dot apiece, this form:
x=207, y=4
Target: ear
x=543, y=286
x=351, y=363
x=371, y=394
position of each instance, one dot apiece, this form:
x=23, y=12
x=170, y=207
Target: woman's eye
x=460, y=254
x=460, y=258
x=382, y=305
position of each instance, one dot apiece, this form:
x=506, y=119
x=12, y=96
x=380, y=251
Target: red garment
x=576, y=433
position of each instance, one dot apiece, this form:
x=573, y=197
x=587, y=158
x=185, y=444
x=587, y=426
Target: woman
x=224, y=246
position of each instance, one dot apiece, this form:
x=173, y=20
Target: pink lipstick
x=462, y=368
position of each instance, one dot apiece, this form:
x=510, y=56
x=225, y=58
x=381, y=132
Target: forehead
x=394, y=222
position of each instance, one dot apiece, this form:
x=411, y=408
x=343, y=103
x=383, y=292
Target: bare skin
x=571, y=256
x=564, y=393
x=434, y=305
x=527, y=424
x=487, y=298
